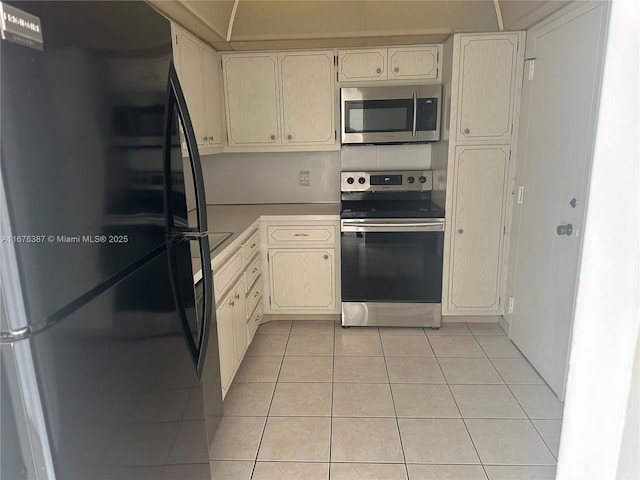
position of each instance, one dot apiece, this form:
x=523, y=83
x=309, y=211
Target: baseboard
x=279, y=317
x=470, y=319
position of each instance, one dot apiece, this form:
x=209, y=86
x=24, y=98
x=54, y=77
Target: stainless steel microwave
x=390, y=114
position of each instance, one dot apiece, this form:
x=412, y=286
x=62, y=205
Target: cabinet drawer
x=254, y=296
x=318, y=234
x=252, y=272
x=224, y=276
x=254, y=320
x=251, y=246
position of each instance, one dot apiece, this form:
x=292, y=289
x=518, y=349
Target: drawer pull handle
x=253, y=245
x=326, y=257
x=258, y=318
x=237, y=296
x=300, y=234
x=255, y=270
x=231, y=303
x=256, y=295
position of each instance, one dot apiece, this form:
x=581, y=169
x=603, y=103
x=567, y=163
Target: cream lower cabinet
x=476, y=229
x=232, y=332
x=303, y=265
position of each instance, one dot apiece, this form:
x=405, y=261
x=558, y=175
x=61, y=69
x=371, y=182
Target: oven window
x=371, y=116
x=392, y=266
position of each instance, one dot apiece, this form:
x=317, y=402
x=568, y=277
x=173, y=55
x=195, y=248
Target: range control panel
x=393, y=181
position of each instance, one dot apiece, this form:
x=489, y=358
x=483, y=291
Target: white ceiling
x=286, y=24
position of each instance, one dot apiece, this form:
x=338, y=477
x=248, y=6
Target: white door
x=252, y=94
x=302, y=279
x=559, y=106
x=487, y=88
x=307, y=80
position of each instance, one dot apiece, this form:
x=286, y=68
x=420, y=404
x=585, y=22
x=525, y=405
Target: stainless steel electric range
x=392, y=240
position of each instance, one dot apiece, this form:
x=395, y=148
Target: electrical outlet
x=304, y=178
x=511, y=302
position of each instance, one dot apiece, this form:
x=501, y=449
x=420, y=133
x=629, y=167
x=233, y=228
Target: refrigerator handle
x=175, y=97
x=197, y=346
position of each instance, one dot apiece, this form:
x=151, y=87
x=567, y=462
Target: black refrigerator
x=109, y=361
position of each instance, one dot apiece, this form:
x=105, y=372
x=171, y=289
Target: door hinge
x=335, y=60
x=532, y=66
x=176, y=39
x=504, y=230
x=269, y=301
x=520, y=194
x=267, y=256
x=511, y=131
x=511, y=303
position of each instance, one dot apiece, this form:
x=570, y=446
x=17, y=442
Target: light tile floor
x=312, y=400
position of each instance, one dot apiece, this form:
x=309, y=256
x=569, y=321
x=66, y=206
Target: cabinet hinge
x=335, y=134
x=437, y=57
x=269, y=301
x=532, y=67
x=176, y=39
x=221, y=64
x=504, y=230
x=227, y=133
x=335, y=60
x=267, y=256
x=512, y=129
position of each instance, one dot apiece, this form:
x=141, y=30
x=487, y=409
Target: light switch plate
x=304, y=178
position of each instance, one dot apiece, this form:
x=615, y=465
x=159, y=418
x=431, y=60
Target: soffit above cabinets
x=291, y=24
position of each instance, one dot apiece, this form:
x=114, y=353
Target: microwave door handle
x=415, y=113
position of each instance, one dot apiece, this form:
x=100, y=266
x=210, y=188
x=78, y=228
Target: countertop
x=237, y=218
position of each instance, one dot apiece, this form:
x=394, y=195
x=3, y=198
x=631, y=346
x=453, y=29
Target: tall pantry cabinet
x=485, y=96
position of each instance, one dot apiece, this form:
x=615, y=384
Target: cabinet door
x=363, y=64
x=476, y=233
x=252, y=94
x=486, y=88
x=307, y=98
x=413, y=63
x=212, y=103
x=302, y=279
x=239, y=321
x=191, y=79
x=226, y=343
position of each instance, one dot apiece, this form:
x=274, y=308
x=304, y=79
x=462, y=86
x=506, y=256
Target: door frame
x=557, y=20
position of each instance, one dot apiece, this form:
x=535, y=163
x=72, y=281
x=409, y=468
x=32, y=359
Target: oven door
x=392, y=260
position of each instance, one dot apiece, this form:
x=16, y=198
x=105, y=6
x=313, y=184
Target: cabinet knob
x=467, y=131
x=378, y=70
x=396, y=69
x=326, y=257
x=231, y=303
x=460, y=231
x=273, y=137
x=289, y=137
x=211, y=138
x=204, y=138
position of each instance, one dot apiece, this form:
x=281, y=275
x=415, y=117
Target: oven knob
x=410, y=179
x=361, y=180
x=422, y=179
x=350, y=180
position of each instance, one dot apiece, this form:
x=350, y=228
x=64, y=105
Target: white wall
x=386, y=157
x=597, y=432
x=245, y=178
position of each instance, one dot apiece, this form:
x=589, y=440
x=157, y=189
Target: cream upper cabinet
x=198, y=68
x=212, y=96
x=487, y=85
x=413, y=63
x=393, y=64
x=477, y=227
x=362, y=64
x=485, y=90
x=192, y=82
x=307, y=97
x=252, y=96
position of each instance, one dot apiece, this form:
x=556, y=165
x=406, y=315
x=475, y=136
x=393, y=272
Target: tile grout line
x=461, y=416
x=275, y=387
x=333, y=368
x=393, y=401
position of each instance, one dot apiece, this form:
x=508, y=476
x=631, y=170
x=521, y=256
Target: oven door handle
x=392, y=225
